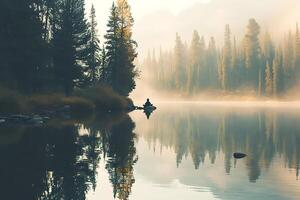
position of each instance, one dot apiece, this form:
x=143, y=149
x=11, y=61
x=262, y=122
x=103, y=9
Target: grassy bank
x=84, y=101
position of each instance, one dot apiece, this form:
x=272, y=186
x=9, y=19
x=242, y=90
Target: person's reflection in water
x=148, y=113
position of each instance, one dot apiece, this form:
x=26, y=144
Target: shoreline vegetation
x=97, y=99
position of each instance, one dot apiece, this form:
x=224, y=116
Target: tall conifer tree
x=22, y=47
x=226, y=58
x=297, y=51
x=253, y=53
x=212, y=63
x=94, y=50
x=70, y=36
x=268, y=80
x=179, y=67
x=194, y=62
x=121, y=49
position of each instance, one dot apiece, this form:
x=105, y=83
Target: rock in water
x=239, y=155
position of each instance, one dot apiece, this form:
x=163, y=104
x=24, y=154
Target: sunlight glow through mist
x=140, y=8
x=161, y=19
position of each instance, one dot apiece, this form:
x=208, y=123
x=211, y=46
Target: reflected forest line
x=60, y=160
x=210, y=135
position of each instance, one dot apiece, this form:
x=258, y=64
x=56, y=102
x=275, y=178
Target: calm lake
x=183, y=151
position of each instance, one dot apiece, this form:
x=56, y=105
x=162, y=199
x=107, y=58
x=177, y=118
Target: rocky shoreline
x=36, y=118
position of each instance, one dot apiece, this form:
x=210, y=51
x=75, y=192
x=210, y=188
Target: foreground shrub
x=56, y=102
x=11, y=101
x=79, y=106
x=104, y=98
x=46, y=102
x=84, y=101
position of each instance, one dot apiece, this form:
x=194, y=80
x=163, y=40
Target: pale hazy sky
x=157, y=21
x=141, y=8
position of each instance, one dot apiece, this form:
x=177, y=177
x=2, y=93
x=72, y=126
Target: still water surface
x=183, y=151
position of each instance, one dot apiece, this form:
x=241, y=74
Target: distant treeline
x=254, y=65
x=49, y=45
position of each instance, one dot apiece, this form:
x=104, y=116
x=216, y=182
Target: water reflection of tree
x=121, y=156
x=58, y=162
x=71, y=163
x=21, y=177
x=262, y=135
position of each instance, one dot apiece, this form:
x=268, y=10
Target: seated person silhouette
x=148, y=103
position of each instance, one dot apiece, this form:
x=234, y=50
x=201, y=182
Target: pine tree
x=121, y=49
x=268, y=80
x=288, y=59
x=70, y=36
x=275, y=77
x=180, y=77
x=162, y=69
x=22, y=48
x=185, y=64
x=103, y=67
x=111, y=46
x=234, y=66
x=226, y=58
x=124, y=82
x=277, y=70
x=202, y=70
x=297, y=51
x=171, y=70
x=212, y=63
x=234, y=55
x=253, y=53
x=220, y=70
x=276, y=64
x=240, y=68
x=194, y=62
x=45, y=8
x=268, y=49
x=94, y=50
x=268, y=54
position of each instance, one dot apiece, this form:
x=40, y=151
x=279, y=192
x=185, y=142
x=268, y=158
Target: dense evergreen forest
x=53, y=46
x=257, y=65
